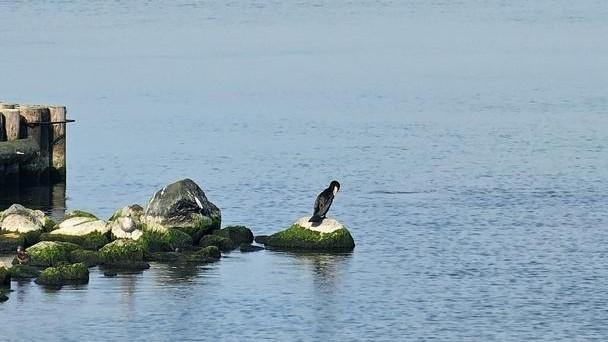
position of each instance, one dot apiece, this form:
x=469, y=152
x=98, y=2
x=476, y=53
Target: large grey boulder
x=182, y=205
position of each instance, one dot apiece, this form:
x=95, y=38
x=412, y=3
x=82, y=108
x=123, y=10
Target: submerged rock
x=238, y=234
x=50, y=253
x=163, y=256
x=205, y=255
x=223, y=243
x=123, y=253
x=126, y=223
x=20, y=219
x=246, y=248
x=184, y=206
x=65, y=274
x=330, y=235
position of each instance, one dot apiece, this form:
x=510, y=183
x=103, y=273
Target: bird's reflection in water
x=325, y=267
x=327, y=270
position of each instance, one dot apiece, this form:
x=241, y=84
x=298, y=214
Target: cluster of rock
x=179, y=223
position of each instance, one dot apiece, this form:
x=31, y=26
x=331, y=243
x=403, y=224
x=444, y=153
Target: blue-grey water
x=470, y=138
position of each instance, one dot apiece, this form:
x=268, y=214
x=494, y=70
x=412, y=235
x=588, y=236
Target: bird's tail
x=315, y=218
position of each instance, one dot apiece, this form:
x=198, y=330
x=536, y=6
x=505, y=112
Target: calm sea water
x=470, y=138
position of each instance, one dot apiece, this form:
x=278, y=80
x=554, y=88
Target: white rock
x=328, y=225
x=20, y=224
x=20, y=219
x=79, y=226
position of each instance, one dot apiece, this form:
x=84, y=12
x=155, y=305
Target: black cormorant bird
x=323, y=202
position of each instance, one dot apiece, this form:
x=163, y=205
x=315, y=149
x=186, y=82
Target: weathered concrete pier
x=32, y=143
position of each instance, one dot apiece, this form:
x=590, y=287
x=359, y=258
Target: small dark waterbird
x=324, y=201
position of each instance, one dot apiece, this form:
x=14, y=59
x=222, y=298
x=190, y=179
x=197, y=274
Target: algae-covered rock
x=261, y=239
x=163, y=256
x=20, y=219
x=3, y=297
x=223, y=243
x=126, y=222
x=247, y=248
x=50, y=253
x=238, y=234
x=91, y=241
x=87, y=257
x=167, y=240
x=330, y=235
x=10, y=241
x=23, y=272
x=205, y=255
x=65, y=274
x=123, y=253
x=5, y=277
x=183, y=205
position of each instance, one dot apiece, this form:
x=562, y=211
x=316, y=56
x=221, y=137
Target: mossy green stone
x=223, y=243
x=66, y=274
x=92, y=241
x=238, y=234
x=165, y=241
x=205, y=255
x=50, y=253
x=87, y=257
x=10, y=241
x=297, y=237
x=122, y=251
x=23, y=271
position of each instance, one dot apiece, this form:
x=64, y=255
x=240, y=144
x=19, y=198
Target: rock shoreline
x=179, y=224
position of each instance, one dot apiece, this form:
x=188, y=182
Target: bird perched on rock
x=324, y=201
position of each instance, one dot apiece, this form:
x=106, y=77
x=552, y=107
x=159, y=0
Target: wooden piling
x=58, y=146
x=2, y=129
x=35, y=115
x=12, y=124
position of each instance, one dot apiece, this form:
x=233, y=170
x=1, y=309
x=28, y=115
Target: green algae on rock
x=238, y=234
x=23, y=272
x=87, y=257
x=50, y=253
x=10, y=241
x=93, y=241
x=223, y=243
x=165, y=241
x=330, y=235
x=205, y=255
x=65, y=274
x=123, y=253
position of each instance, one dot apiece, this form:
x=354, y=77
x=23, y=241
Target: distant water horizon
x=469, y=138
